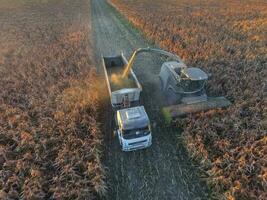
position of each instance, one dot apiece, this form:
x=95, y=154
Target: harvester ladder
x=125, y=101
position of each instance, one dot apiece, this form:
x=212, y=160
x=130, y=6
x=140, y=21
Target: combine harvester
x=183, y=87
x=133, y=125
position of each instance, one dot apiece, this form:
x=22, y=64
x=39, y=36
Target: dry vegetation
x=229, y=40
x=49, y=138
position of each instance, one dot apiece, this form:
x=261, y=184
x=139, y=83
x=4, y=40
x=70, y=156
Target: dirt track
x=162, y=171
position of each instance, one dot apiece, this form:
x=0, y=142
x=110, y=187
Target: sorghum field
x=50, y=143
x=229, y=40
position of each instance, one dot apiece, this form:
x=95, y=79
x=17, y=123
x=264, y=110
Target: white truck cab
x=134, y=130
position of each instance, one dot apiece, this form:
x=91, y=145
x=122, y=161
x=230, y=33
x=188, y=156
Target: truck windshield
x=135, y=133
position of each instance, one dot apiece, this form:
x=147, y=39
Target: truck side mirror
x=114, y=133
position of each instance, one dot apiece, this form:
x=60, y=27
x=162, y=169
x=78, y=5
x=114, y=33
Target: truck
x=132, y=122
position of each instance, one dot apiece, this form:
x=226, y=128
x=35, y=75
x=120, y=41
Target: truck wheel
x=114, y=134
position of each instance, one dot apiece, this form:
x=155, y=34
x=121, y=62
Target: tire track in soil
x=164, y=170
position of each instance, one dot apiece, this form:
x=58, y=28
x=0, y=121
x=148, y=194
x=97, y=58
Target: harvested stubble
x=49, y=138
x=228, y=39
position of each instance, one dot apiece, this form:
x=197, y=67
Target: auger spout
x=148, y=49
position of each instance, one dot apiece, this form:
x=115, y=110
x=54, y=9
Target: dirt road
x=162, y=171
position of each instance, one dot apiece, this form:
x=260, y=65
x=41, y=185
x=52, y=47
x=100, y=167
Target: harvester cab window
x=191, y=86
x=178, y=70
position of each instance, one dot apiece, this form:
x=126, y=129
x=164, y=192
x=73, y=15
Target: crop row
x=50, y=142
